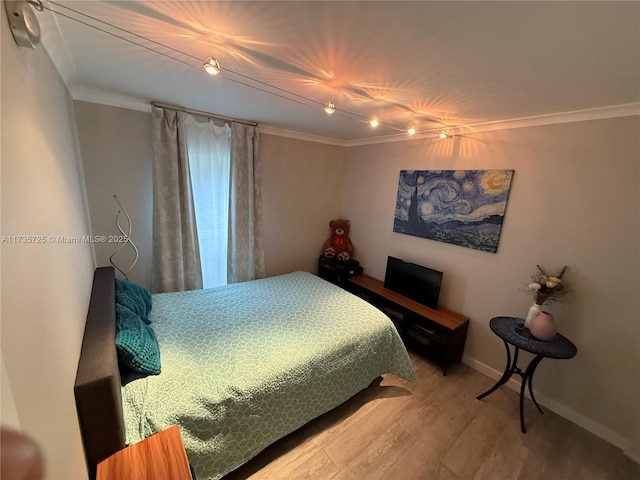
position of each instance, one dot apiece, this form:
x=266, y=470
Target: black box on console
x=336, y=271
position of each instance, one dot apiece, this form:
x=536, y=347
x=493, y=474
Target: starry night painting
x=462, y=207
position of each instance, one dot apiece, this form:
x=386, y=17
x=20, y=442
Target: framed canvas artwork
x=462, y=207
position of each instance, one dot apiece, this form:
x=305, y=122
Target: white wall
x=117, y=159
x=574, y=200
x=301, y=194
x=45, y=286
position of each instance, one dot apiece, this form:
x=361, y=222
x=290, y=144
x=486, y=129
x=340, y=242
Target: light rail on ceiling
x=213, y=67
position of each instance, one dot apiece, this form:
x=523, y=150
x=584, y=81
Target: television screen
x=416, y=282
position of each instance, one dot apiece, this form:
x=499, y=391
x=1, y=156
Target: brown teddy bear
x=338, y=245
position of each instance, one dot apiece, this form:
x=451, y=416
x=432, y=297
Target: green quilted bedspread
x=245, y=364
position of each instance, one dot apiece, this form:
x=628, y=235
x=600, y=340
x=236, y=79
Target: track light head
x=211, y=66
x=330, y=107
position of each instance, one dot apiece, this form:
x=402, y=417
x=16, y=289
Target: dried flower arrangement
x=547, y=287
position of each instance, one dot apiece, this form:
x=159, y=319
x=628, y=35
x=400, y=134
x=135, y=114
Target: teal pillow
x=136, y=343
x=134, y=297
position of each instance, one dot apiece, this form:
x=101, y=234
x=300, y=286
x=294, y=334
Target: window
x=209, y=152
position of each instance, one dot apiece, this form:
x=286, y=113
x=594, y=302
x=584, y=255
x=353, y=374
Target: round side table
x=512, y=332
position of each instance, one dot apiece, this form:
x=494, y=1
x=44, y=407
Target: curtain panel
x=245, y=247
x=175, y=255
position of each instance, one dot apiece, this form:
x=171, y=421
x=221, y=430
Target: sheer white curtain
x=208, y=149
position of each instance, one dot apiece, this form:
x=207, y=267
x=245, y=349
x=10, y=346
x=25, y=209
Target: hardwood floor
x=434, y=428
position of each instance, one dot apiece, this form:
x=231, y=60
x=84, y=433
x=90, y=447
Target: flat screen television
x=416, y=282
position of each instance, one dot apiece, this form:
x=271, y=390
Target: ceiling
x=429, y=64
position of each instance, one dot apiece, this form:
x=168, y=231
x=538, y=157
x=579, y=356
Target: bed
x=242, y=366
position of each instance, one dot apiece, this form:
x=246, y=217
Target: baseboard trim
x=559, y=408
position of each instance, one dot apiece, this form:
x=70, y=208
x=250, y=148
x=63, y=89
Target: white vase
x=543, y=326
x=534, y=310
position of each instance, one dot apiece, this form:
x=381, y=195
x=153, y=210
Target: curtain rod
x=204, y=114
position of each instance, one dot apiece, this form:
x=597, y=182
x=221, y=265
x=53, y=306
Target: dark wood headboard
x=98, y=385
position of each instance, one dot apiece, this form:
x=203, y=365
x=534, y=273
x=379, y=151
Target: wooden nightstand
x=159, y=456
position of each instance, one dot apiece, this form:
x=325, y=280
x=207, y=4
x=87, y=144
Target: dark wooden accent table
x=441, y=330
x=512, y=332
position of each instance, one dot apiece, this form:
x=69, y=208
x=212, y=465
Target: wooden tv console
x=440, y=332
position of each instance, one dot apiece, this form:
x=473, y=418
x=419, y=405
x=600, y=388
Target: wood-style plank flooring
x=434, y=428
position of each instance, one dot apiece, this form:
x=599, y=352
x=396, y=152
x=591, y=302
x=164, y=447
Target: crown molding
x=600, y=113
x=279, y=132
x=102, y=97
x=97, y=95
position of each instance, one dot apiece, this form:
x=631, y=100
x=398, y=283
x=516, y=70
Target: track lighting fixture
x=19, y=11
x=211, y=66
x=330, y=107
